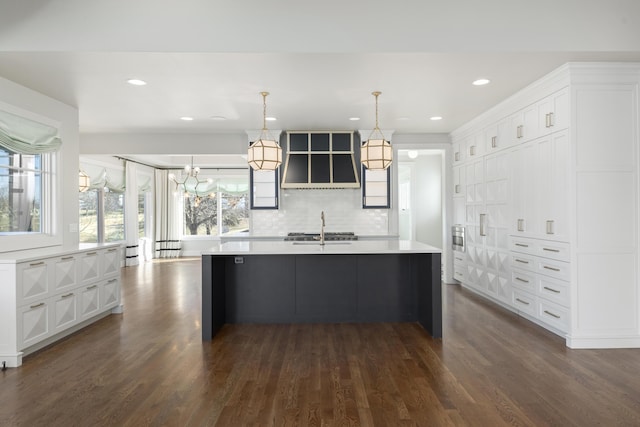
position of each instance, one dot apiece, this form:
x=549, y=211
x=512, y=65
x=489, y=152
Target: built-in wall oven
x=457, y=238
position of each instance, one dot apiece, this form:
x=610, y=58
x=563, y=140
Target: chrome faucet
x=322, y=228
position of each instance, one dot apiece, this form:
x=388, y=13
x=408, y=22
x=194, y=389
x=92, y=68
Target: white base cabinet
x=48, y=294
x=572, y=209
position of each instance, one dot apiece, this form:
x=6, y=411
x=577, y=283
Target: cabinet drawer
x=110, y=293
x=33, y=281
x=89, y=301
x=553, y=250
x=553, y=314
x=64, y=313
x=523, y=280
x=459, y=273
x=111, y=261
x=525, y=262
x=524, y=302
x=556, y=269
x=64, y=273
x=33, y=323
x=554, y=290
x=89, y=267
x=522, y=245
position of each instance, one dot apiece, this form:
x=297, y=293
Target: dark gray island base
x=333, y=287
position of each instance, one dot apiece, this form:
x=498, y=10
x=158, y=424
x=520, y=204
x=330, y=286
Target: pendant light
x=84, y=182
x=376, y=153
x=265, y=153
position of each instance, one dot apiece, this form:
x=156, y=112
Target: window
x=21, y=184
x=101, y=216
x=89, y=216
x=142, y=220
x=226, y=198
x=113, y=216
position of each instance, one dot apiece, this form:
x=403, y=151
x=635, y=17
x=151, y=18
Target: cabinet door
x=33, y=324
x=65, y=311
x=89, y=267
x=89, y=301
x=459, y=181
x=33, y=281
x=110, y=293
x=458, y=151
x=496, y=136
x=523, y=125
x=525, y=206
x=553, y=112
x=475, y=146
x=552, y=160
x=65, y=273
x=111, y=261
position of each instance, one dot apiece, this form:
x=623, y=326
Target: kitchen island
x=289, y=282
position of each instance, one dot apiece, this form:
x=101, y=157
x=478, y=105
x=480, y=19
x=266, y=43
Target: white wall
x=427, y=206
x=20, y=100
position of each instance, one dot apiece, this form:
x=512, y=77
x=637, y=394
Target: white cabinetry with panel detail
x=50, y=293
x=572, y=208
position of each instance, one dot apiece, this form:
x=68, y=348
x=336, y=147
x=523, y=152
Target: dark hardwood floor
x=150, y=367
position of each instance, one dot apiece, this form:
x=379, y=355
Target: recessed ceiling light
x=220, y=118
x=186, y=118
x=136, y=82
x=412, y=154
x=270, y=119
x=435, y=118
x=354, y=119
x=481, y=82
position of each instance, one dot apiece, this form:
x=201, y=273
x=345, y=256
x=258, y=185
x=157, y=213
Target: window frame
x=50, y=211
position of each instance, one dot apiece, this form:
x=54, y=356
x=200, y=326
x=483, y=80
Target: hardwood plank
x=149, y=366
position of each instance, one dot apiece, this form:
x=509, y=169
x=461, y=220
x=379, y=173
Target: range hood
x=320, y=160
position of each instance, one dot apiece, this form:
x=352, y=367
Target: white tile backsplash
x=300, y=212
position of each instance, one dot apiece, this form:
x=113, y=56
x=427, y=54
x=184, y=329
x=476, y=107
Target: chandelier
x=190, y=181
x=265, y=153
x=376, y=153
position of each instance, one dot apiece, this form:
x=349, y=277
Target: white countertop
x=257, y=247
x=52, y=251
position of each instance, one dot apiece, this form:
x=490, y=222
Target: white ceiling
x=319, y=60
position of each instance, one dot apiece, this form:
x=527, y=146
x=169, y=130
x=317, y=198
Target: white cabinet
x=475, y=146
x=496, y=136
x=573, y=206
x=540, y=205
x=553, y=112
x=47, y=296
x=459, y=181
x=541, y=278
x=523, y=125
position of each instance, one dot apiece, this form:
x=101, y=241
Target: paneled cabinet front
x=53, y=294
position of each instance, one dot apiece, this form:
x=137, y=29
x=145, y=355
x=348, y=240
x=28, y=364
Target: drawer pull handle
x=112, y=280
x=522, y=245
x=551, y=314
x=67, y=295
x=456, y=156
x=459, y=259
x=522, y=280
x=66, y=258
x=112, y=250
x=552, y=290
x=551, y=120
x=457, y=188
x=550, y=226
x=34, y=264
x=551, y=250
x=551, y=268
x=36, y=305
x=472, y=150
x=91, y=253
x=522, y=261
x=521, y=224
x=494, y=141
x=522, y=301
x=92, y=287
